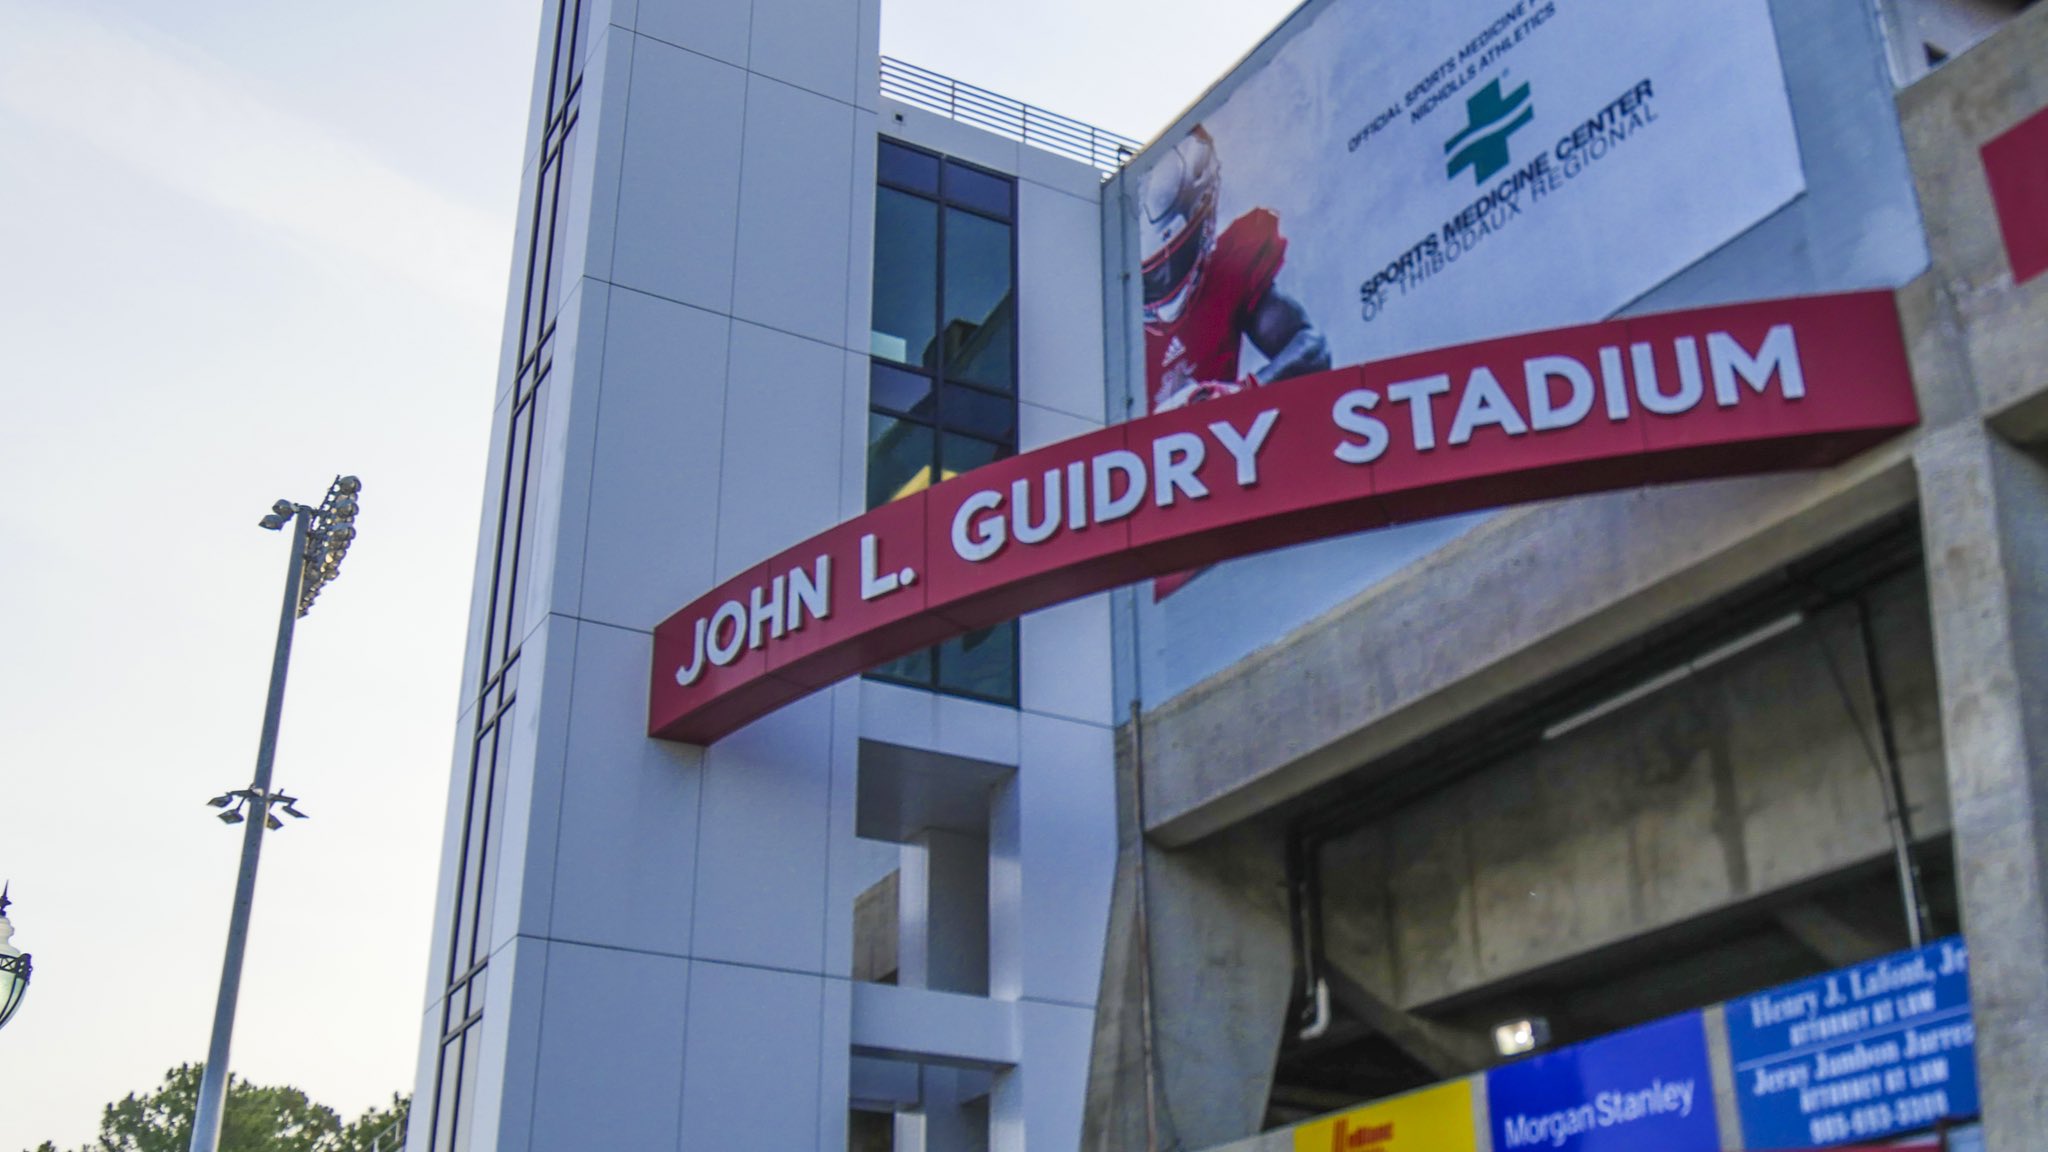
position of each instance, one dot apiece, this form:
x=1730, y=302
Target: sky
x=245, y=246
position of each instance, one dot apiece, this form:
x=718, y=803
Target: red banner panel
x=2016, y=166
x=1767, y=386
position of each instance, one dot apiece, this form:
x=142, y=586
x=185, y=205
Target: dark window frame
x=934, y=416
x=452, y=1108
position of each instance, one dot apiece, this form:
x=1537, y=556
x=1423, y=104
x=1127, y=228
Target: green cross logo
x=1485, y=147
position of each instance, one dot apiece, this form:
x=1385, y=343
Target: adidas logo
x=1174, y=351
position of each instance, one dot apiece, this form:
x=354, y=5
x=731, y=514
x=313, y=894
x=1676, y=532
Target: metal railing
x=1015, y=119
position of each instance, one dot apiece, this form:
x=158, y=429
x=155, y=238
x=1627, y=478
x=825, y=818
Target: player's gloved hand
x=1203, y=390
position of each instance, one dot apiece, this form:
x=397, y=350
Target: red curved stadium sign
x=1766, y=386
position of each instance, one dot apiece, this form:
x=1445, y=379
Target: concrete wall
x=1985, y=499
x=1660, y=814
x=1753, y=777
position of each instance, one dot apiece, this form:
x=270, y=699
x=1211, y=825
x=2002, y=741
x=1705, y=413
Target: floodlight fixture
x=15, y=966
x=328, y=534
x=1518, y=1036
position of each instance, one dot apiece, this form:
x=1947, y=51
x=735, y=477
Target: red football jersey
x=1202, y=344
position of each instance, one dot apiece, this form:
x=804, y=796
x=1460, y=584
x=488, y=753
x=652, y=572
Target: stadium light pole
x=320, y=538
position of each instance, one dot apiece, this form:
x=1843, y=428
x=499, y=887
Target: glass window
x=982, y=664
x=907, y=168
x=914, y=669
x=958, y=454
x=984, y=414
x=466, y=1098
x=980, y=324
x=891, y=389
x=982, y=191
x=906, y=277
x=899, y=459
x=476, y=988
x=942, y=382
x=449, y=1104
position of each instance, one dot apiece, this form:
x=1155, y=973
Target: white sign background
x=1717, y=155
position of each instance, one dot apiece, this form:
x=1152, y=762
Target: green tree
x=259, y=1118
x=377, y=1129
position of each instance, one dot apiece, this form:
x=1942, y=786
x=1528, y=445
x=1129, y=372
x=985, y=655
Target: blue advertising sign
x=1883, y=1047
x=1648, y=1087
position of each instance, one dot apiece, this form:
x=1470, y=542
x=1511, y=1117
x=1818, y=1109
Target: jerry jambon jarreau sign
x=1772, y=385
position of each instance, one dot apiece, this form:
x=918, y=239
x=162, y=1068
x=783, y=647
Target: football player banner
x=1402, y=176
x=1776, y=384
x=1435, y=1119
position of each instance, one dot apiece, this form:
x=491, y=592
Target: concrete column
x=1222, y=971
x=944, y=901
x=954, y=1114
x=943, y=946
x=1984, y=506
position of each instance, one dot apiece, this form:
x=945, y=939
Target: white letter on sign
x=1021, y=526
x=1647, y=391
x=1484, y=403
x=734, y=612
x=1539, y=371
x=764, y=614
x=1175, y=459
x=1416, y=394
x=872, y=582
x=808, y=593
x=1349, y=413
x=1104, y=469
x=1780, y=354
x=686, y=674
x=1245, y=448
x=987, y=536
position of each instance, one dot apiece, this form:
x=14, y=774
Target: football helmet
x=1177, y=213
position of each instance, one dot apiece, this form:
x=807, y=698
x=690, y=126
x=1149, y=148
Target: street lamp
x=320, y=538
x=14, y=966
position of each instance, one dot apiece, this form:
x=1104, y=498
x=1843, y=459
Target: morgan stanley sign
x=1772, y=385
x=1649, y=1087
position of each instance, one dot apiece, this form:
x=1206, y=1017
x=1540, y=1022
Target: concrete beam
x=1446, y=1052
x=1394, y=664
x=929, y=1027
x=1836, y=941
x=1746, y=781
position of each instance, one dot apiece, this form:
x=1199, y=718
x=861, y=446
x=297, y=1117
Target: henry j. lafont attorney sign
x=1776, y=384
